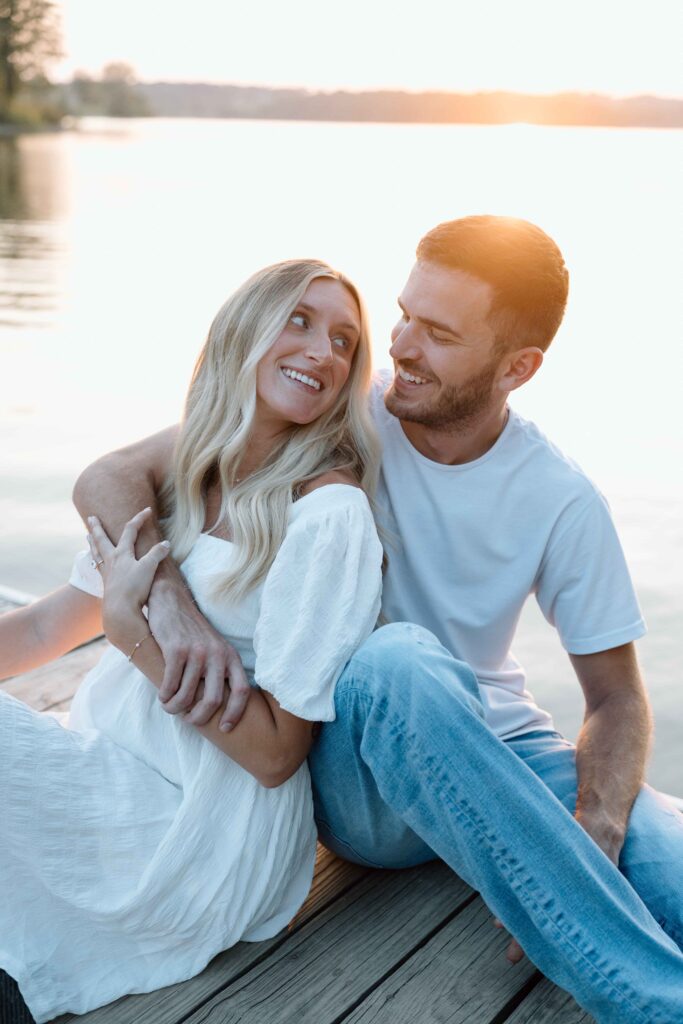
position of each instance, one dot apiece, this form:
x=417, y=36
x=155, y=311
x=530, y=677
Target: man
x=430, y=755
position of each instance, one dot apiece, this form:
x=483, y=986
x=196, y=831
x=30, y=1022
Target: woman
x=132, y=849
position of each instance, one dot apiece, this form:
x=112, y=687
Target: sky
x=618, y=47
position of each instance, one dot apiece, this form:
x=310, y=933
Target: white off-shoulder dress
x=132, y=850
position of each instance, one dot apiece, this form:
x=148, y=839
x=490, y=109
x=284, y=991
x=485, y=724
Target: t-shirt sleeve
x=320, y=601
x=584, y=588
x=84, y=575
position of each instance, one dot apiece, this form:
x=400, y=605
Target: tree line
x=30, y=41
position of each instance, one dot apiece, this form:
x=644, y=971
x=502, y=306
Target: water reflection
x=31, y=239
x=13, y=197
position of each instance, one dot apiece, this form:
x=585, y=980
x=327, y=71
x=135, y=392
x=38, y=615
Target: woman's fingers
x=94, y=550
x=156, y=555
x=129, y=534
x=102, y=543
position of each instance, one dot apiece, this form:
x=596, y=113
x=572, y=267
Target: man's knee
x=652, y=859
x=401, y=639
x=405, y=658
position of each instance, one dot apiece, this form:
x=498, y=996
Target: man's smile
x=407, y=380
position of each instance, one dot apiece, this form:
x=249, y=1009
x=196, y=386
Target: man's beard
x=454, y=408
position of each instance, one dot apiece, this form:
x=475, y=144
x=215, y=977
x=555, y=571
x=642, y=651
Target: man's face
x=443, y=350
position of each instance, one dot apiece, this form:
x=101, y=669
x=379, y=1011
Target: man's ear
x=518, y=367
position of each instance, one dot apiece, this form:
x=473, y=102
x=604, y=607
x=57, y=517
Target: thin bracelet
x=139, y=644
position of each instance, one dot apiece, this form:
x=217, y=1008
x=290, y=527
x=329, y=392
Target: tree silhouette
x=29, y=40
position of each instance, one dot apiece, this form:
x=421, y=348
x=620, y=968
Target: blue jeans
x=410, y=771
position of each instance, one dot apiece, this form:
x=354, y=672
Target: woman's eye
x=340, y=341
x=299, y=319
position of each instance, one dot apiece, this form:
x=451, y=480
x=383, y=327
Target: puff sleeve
x=84, y=575
x=320, y=600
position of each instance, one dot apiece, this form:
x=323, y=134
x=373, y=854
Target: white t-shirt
x=473, y=541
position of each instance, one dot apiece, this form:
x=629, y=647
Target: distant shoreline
x=208, y=100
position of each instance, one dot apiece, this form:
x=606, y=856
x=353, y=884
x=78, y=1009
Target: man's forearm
x=611, y=754
x=121, y=484
x=114, y=490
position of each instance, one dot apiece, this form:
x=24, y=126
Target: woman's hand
x=127, y=579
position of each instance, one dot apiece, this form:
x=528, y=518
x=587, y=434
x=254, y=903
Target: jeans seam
x=671, y=930
x=343, y=842
x=508, y=868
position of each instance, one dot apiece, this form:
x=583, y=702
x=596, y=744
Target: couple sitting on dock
x=132, y=850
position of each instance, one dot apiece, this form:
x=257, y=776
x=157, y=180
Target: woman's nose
x=319, y=348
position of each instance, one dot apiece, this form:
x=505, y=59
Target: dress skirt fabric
x=132, y=850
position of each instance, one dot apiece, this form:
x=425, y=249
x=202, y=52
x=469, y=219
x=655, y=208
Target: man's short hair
x=522, y=264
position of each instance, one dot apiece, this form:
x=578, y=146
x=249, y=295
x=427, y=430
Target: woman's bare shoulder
x=333, y=476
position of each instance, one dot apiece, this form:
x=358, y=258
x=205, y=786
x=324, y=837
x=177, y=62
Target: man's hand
x=514, y=952
x=607, y=833
x=194, y=654
x=612, y=747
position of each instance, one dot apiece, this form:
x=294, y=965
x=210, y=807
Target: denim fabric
x=652, y=855
x=410, y=770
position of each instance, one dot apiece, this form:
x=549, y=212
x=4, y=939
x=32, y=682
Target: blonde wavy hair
x=218, y=419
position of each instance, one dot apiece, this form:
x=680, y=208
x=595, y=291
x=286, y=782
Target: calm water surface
x=119, y=242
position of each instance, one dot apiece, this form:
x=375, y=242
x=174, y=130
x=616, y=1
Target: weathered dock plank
x=548, y=1004
x=333, y=878
x=320, y=974
x=459, y=977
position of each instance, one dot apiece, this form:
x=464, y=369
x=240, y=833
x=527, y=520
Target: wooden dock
x=368, y=947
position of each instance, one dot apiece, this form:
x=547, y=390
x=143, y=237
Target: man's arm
x=115, y=488
x=130, y=476
x=611, y=750
x=612, y=747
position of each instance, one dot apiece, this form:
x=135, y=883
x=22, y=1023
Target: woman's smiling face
x=301, y=375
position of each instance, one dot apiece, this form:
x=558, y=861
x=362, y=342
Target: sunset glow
x=619, y=48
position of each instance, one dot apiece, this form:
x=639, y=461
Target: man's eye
x=437, y=336
x=299, y=319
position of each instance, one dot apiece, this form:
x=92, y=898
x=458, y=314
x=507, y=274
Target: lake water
x=119, y=241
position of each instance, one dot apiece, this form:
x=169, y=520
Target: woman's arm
x=46, y=629
x=268, y=742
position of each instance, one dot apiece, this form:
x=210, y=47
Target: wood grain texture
x=335, y=958
x=460, y=976
x=548, y=1004
x=332, y=878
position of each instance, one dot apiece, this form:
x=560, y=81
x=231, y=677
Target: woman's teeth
x=295, y=375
